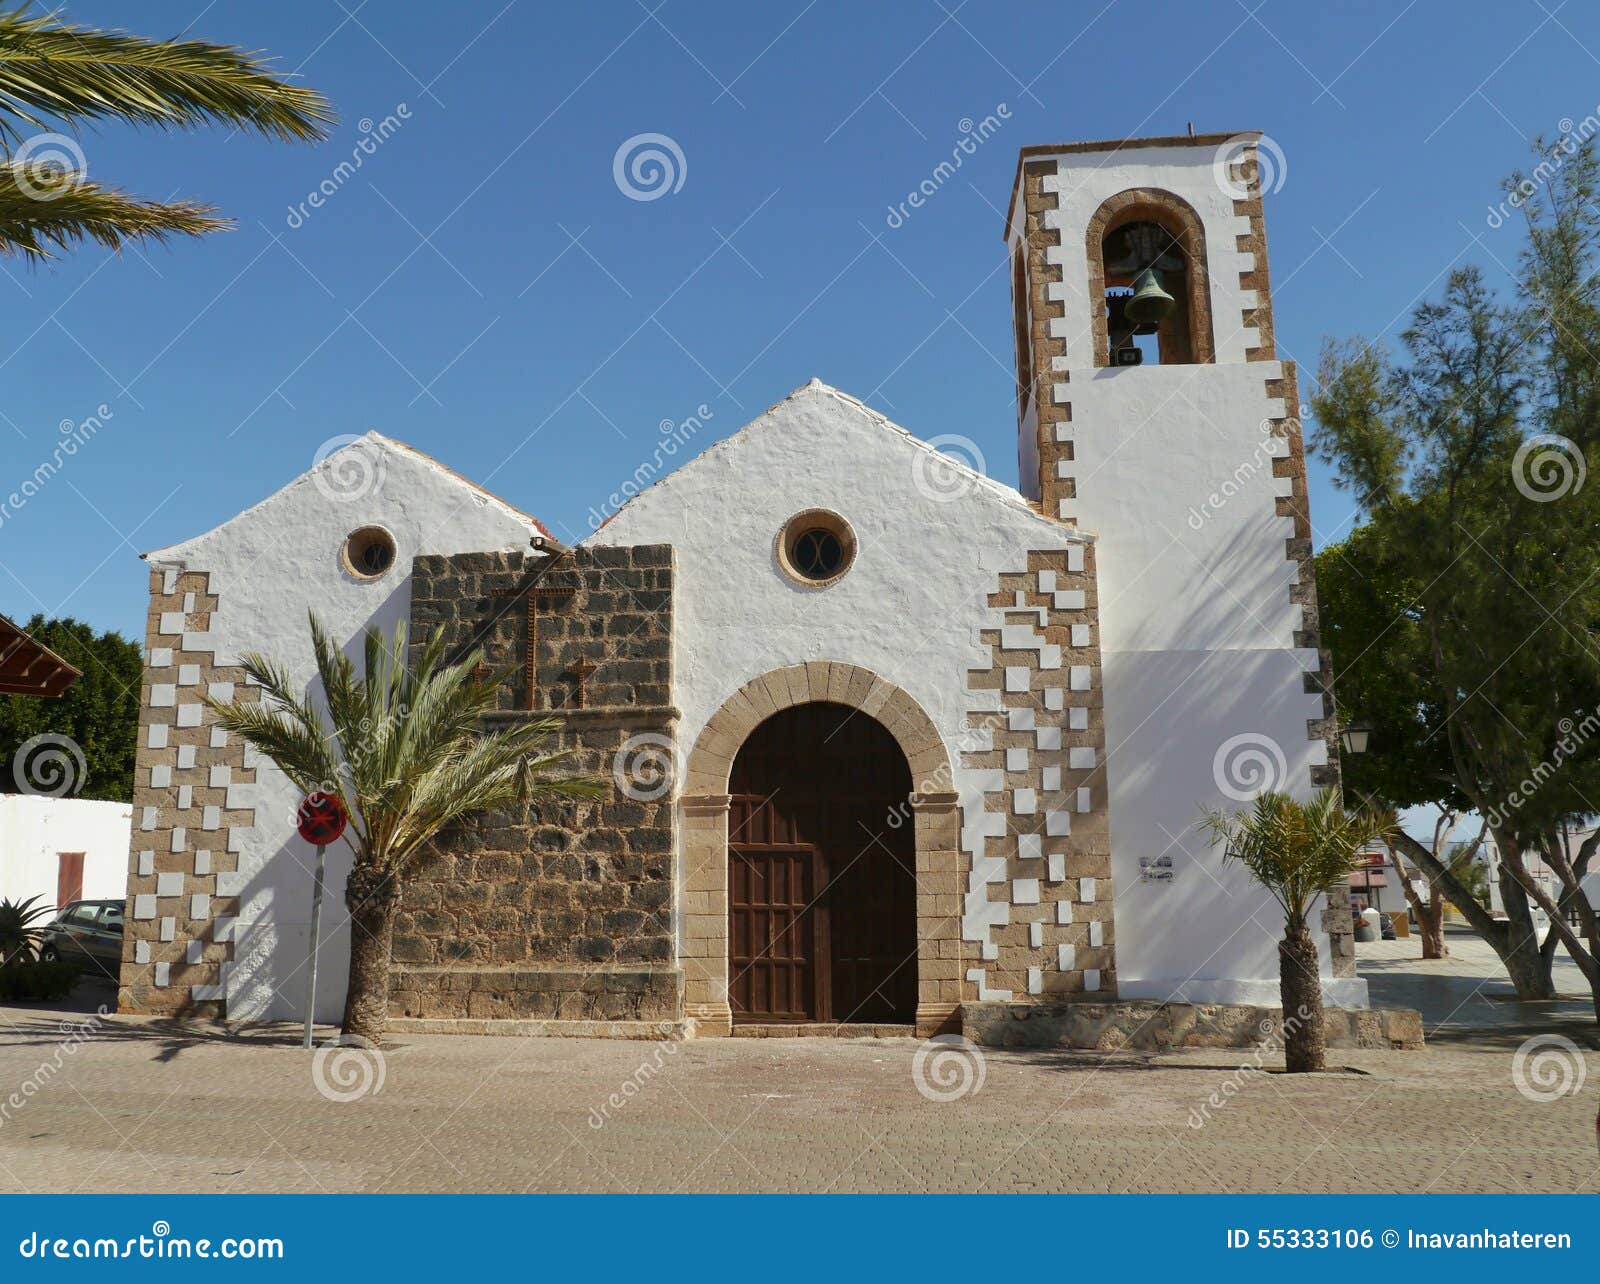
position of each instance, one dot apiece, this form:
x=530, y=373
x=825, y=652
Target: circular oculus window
x=816, y=547
x=368, y=553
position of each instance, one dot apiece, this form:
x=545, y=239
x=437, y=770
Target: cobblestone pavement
x=131, y=1107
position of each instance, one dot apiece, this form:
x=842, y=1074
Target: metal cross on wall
x=535, y=594
x=583, y=668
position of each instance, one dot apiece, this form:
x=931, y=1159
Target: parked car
x=88, y=933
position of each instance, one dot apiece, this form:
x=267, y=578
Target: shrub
x=33, y=980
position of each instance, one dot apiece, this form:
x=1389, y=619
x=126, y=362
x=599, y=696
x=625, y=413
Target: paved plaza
x=127, y=1106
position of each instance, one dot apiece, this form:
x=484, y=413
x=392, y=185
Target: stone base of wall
x=669, y=1030
x=539, y=993
x=1161, y=1027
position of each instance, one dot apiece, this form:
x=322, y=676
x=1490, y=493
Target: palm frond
x=43, y=207
x=1296, y=850
x=340, y=689
x=49, y=68
x=284, y=727
x=404, y=742
x=22, y=928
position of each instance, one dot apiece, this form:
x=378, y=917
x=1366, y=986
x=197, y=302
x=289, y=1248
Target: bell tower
x=1153, y=411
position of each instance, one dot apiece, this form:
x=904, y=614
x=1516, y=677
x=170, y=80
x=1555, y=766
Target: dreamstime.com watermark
x=1272, y=166
x=1249, y=764
x=1548, y=1067
x=948, y=1067
x=646, y=766
x=357, y=468
x=374, y=134
x=1271, y=445
x=974, y=134
x=49, y=766
x=77, y=1034
x=160, y=1243
x=48, y=166
x=1556, y=156
x=948, y=467
x=647, y=167
x=1276, y=1036
x=646, y=1071
x=1574, y=735
x=974, y=735
x=1549, y=467
x=673, y=437
x=75, y=434
x=349, y=1068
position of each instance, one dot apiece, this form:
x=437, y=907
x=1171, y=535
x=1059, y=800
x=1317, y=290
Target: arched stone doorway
x=821, y=872
x=930, y=815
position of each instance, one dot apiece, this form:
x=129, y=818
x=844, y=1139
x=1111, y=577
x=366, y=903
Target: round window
x=816, y=547
x=369, y=552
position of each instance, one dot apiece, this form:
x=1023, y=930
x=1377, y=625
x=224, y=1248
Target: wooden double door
x=821, y=872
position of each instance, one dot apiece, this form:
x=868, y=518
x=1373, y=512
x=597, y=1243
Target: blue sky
x=482, y=289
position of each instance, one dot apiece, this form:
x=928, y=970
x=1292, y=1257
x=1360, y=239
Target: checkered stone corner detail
x=1039, y=894
x=187, y=815
x=1291, y=464
x=1254, y=280
x=1046, y=313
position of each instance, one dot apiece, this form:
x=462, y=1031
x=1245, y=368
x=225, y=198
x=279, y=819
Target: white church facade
x=888, y=739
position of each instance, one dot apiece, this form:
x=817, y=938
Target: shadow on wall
x=1209, y=727
x=269, y=969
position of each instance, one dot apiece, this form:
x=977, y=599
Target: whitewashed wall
x=1203, y=683
x=931, y=546
x=268, y=567
x=34, y=831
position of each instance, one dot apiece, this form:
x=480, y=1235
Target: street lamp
x=1354, y=737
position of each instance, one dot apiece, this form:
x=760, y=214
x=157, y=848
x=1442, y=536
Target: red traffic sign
x=321, y=818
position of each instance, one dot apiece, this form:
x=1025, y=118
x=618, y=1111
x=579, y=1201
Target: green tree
x=99, y=713
x=1368, y=595
x=54, y=74
x=1298, y=852
x=406, y=750
x=1471, y=450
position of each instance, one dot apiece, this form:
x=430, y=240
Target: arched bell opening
x=1147, y=263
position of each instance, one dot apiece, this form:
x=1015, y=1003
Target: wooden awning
x=30, y=668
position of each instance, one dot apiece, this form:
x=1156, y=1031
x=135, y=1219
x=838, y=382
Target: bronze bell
x=1149, y=304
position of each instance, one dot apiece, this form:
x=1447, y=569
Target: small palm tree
x=21, y=929
x=1298, y=851
x=406, y=750
x=52, y=72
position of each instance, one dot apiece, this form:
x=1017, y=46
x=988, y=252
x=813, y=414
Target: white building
x=62, y=849
x=930, y=740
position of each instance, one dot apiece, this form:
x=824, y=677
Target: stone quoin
x=1006, y=706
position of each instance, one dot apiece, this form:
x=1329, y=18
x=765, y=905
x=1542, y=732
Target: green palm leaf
x=22, y=925
x=49, y=68
x=405, y=746
x=54, y=71
x=1296, y=850
x=407, y=749
x=44, y=207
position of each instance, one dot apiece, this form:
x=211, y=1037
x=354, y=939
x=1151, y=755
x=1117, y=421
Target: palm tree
x=406, y=751
x=55, y=73
x=21, y=929
x=1297, y=851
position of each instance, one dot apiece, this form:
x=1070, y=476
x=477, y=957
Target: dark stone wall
x=558, y=909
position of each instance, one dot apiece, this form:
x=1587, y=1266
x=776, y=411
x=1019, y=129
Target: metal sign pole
x=316, y=932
